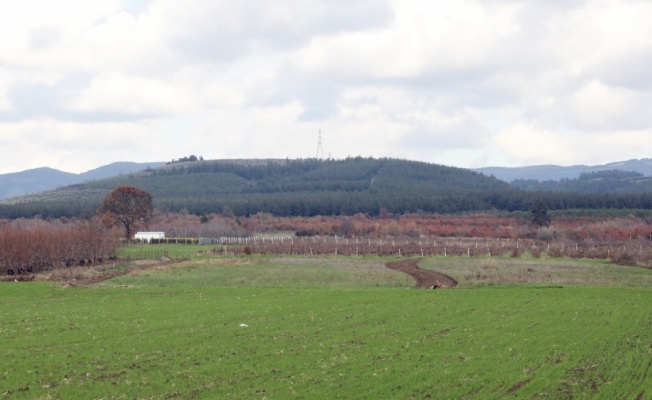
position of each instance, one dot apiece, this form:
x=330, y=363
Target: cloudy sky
x=467, y=83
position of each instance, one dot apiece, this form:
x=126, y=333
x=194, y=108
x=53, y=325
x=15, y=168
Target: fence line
x=411, y=247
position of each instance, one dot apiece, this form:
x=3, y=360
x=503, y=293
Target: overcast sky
x=467, y=83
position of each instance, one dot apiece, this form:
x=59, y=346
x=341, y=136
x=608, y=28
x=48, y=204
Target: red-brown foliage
x=35, y=245
x=461, y=226
x=128, y=207
x=183, y=225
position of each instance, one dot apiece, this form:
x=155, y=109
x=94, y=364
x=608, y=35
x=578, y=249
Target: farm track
x=425, y=279
x=111, y=275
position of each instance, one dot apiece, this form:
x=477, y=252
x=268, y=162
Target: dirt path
x=425, y=279
x=136, y=266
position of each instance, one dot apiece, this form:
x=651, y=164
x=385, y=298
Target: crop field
x=327, y=327
x=160, y=250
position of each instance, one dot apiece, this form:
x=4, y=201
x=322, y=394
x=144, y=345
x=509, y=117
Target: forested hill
x=303, y=187
x=281, y=187
x=614, y=181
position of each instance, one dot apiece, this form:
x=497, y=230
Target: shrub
x=624, y=258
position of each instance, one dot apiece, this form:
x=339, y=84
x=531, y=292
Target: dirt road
x=425, y=279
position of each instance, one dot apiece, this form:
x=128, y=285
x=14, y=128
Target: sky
x=466, y=83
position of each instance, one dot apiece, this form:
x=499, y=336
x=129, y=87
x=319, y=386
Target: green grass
x=488, y=271
x=337, y=272
x=143, y=251
x=175, y=332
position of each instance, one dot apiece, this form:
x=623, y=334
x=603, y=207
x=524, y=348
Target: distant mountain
x=32, y=181
x=117, y=168
x=613, y=181
x=42, y=179
x=556, y=173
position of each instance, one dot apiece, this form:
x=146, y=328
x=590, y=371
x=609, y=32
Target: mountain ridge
x=42, y=179
x=550, y=172
x=15, y=184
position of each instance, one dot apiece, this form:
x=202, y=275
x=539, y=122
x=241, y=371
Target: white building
x=148, y=236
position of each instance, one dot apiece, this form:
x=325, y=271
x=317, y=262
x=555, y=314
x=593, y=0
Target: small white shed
x=148, y=236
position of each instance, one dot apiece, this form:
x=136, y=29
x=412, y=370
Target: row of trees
x=190, y=158
x=351, y=203
x=185, y=224
x=132, y=208
x=34, y=245
x=629, y=252
x=289, y=204
x=597, y=228
x=561, y=228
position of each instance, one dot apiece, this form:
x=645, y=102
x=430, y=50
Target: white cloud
x=528, y=143
x=133, y=95
x=597, y=107
x=72, y=146
x=463, y=83
x=426, y=38
x=41, y=30
x=618, y=145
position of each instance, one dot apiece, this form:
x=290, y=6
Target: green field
x=161, y=250
x=329, y=328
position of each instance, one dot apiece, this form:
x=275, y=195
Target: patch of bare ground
x=84, y=276
x=138, y=266
x=17, y=278
x=425, y=279
x=517, y=386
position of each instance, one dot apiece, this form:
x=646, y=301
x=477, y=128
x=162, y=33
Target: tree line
x=28, y=246
x=600, y=182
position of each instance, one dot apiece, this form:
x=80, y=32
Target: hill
x=556, y=173
x=309, y=187
x=281, y=187
x=42, y=179
x=613, y=181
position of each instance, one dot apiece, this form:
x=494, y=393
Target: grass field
x=329, y=328
x=161, y=250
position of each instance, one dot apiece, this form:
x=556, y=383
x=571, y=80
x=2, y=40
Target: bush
x=306, y=232
x=35, y=245
x=624, y=258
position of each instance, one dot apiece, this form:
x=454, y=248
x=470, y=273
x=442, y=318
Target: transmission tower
x=320, y=149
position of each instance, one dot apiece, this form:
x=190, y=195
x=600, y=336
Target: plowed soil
x=425, y=279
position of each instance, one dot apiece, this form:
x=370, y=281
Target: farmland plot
x=322, y=327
